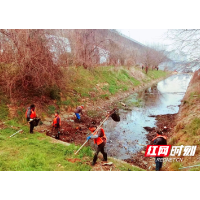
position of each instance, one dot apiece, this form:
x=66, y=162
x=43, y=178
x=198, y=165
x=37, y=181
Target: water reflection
x=163, y=98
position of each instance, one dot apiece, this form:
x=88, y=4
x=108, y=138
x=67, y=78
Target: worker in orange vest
x=99, y=139
x=160, y=139
x=30, y=116
x=56, y=124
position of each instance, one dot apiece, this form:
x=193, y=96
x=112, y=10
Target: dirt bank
x=170, y=121
x=182, y=129
x=74, y=132
x=187, y=130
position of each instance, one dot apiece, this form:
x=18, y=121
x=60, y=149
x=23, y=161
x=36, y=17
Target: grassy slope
x=36, y=152
x=102, y=82
x=83, y=86
x=29, y=152
x=187, y=130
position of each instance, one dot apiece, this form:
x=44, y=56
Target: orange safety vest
x=100, y=140
x=163, y=136
x=55, y=121
x=32, y=115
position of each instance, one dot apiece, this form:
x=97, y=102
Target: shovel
x=114, y=116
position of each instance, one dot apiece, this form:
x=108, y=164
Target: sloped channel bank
x=76, y=133
x=157, y=107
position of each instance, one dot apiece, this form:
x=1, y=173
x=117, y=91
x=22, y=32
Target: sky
x=147, y=36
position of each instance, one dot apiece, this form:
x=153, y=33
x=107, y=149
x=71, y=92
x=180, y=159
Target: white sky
x=147, y=36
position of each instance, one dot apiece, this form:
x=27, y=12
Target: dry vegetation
x=31, y=61
x=187, y=130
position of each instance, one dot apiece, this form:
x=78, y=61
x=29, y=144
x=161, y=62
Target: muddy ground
x=77, y=132
x=148, y=163
x=71, y=132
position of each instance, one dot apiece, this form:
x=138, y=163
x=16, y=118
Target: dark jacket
x=160, y=141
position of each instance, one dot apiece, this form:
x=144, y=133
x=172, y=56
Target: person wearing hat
x=78, y=110
x=99, y=139
x=159, y=140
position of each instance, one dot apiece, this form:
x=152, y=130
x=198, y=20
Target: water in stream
x=162, y=98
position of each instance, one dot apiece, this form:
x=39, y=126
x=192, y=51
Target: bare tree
x=30, y=67
x=187, y=41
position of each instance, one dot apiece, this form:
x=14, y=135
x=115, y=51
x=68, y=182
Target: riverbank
x=26, y=152
x=96, y=110
x=182, y=129
x=38, y=152
x=162, y=105
x=187, y=129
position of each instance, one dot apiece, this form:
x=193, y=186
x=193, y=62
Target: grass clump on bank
x=154, y=74
x=123, y=166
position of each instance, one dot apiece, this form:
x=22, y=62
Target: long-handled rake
x=113, y=115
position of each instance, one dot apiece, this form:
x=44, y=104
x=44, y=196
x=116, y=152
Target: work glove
x=30, y=120
x=89, y=137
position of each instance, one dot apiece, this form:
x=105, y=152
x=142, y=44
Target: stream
x=163, y=98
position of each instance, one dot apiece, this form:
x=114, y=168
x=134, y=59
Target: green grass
x=123, y=166
x=51, y=109
x=92, y=113
x=83, y=83
x=175, y=166
x=193, y=127
x=4, y=111
x=104, y=96
x=35, y=152
x=133, y=101
x=67, y=102
x=154, y=74
x=195, y=168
